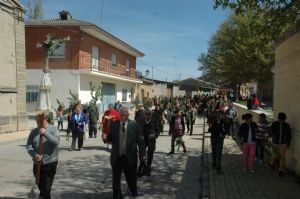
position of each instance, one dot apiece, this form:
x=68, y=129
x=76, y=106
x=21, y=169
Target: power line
x=165, y=72
x=101, y=13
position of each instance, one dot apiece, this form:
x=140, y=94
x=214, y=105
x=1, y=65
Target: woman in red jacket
x=110, y=115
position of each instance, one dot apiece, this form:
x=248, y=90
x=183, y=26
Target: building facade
x=287, y=89
x=91, y=55
x=12, y=67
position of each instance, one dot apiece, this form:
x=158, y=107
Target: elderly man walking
x=126, y=136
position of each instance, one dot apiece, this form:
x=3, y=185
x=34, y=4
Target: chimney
x=64, y=15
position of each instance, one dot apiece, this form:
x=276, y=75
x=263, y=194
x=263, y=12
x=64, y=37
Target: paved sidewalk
x=233, y=182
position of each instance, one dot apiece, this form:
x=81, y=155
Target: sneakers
x=251, y=171
x=80, y=149
x=171, y=152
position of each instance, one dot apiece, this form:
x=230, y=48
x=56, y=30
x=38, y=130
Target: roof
x=10, y=3
x=90, y=29
x=193, y=84
x=58, y=22
x=158, y=81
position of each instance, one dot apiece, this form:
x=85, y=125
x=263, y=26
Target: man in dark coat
x=125, y=136
x=217, y=126
x=282, y=136
x=151, y=132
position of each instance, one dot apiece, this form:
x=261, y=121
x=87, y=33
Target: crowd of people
x=132, y=143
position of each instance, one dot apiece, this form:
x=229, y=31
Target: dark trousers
x=151, y=146
x=173, y=143
x=189, y=125
x=93, y=130
x=217, y=148
x=60, y=123
x=230, y=128
x=260, y=149
x=130, y=172
x=47, y=174
x=76, y=135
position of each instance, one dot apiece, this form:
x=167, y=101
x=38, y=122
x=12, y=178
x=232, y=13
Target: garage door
x=109, y=95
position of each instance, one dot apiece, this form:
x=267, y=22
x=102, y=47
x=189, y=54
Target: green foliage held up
x=96, y=93
x=73, y=99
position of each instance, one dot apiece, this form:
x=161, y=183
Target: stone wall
x=287, y=89
x=12, y=72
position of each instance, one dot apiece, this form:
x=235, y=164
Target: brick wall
x=35, y=57
x=105, y=51
x=78, y=51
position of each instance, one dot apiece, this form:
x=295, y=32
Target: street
x=87, y=173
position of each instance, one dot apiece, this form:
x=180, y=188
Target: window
x=95, y=58
x=124, y=95
x=114, y=60
x=59, y=52
x=32, y=93
x=127, y=64
x=127, y=68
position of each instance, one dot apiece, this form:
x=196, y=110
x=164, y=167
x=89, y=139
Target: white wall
x=62, y=81
x=177, y=92
x=84, y=92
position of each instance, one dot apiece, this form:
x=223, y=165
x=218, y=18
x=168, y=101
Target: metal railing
x=85, y=62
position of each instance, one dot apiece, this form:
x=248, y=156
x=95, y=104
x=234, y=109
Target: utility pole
x=175, y=67
x=152, y=73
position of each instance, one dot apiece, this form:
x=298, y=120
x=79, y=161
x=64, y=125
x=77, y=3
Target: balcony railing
x=106, y=66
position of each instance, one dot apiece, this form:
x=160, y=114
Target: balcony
x=105, y=66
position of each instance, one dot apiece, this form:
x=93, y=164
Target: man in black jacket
x=217, y=124
x=151, y=132
x=282, y=136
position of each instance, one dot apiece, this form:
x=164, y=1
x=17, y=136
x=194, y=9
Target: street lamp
x=147, y=73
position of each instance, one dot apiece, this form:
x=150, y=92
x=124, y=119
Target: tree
x=237, y=54
x=36, y=11
x=278, y=15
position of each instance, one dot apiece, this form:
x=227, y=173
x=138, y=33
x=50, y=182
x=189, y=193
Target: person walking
x=108, y=117
x=42, y=146
x=151, y=132
x=231, y=114
x=217, y=126
x=139, y=114
x=247, y=133
x=59, y=117
x=261, y=137
x=177, y=128
x=126, y=137
x=78, y=122
x=93, y=120
x=281, y=139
